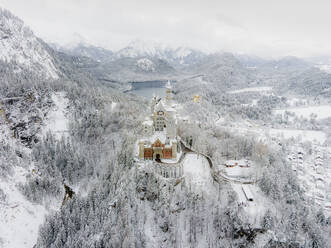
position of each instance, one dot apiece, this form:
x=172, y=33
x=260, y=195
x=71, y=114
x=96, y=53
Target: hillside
x=20, y=47
x=74, y=165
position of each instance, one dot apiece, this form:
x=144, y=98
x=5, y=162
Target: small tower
x=171, y=126
x=147, y=127
x=168, y=92
x=153, y=103
x=141, y=149
x=174, y=149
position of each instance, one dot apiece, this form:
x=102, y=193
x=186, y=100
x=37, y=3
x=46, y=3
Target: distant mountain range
x=176, y=57
x=24, y=53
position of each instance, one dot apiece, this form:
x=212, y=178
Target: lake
x=148, y=92
x=149, y=88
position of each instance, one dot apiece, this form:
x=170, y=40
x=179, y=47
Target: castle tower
x=174, y=149
x=159, y=117
x=171, y=126
x=168, y=92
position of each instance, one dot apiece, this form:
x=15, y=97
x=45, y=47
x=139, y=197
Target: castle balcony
x=169, y=170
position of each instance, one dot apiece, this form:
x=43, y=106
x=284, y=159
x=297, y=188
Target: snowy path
x=57, y=122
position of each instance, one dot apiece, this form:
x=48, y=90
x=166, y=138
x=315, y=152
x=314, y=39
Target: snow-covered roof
x=148, y=122
x=170, y=109
x=161, y=135
x=159, y=107
x=241, y=162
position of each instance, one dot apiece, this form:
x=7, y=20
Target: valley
x=160, y=146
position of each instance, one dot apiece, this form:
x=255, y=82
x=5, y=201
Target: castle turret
x=171, y=125
x=141, y=149
x=159, y=117
x=174, y=149
x=168, y=91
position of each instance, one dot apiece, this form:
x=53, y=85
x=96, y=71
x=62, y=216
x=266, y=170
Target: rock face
x=20, y=47
x=25, y=114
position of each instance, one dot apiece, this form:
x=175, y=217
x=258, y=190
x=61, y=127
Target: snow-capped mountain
x=20, y=47
x=147, y=55
x=98, y=54
x=139, y=48
x=178, y=56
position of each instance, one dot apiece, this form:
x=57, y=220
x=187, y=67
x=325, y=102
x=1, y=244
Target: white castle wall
x=169, y=170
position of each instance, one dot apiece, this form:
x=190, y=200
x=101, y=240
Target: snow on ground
x=322, y=111
x=305, y=135
x=252, y=89
x=197, y=173
x=57, y=122
x=262, y=133
x=22, y=47
x=238, y=172
x=113, y=105
x=18, y=215
x=326, y=68
x=255, y=209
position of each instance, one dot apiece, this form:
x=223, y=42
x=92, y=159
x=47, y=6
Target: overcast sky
x=260, y=27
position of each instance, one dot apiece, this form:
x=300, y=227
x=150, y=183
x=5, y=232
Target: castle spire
x=168, y=91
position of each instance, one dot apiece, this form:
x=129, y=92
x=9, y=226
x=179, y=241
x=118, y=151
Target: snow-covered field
x=263, y=133
x=305, y=135
x=255, y=209
x=322, y=111
x=238, y=172
x=57, y=121
x=252, y=89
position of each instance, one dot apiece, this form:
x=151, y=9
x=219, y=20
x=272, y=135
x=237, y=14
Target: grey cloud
x=261, y=27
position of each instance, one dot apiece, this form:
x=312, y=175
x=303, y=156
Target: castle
x=160, y=130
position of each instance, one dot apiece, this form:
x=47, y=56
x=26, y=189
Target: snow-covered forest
x=69, y=126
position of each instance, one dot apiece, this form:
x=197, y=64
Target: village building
x=159, y=139
x=240, y=163
x=196, y=98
